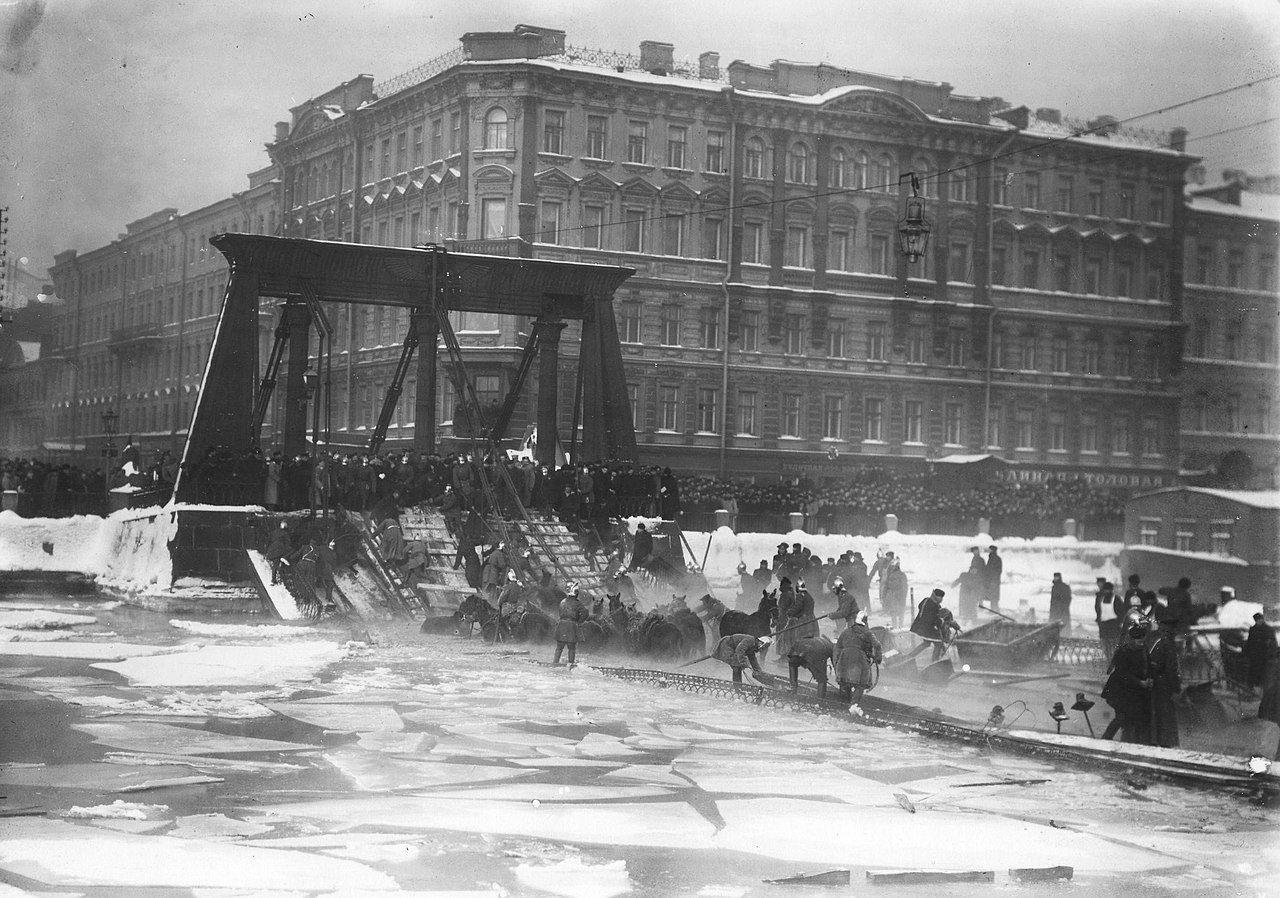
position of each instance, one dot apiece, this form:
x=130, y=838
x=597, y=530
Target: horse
x=683, y=617
x=600, y=629
x=654, y=635
x=529, y=624
x=757, y=623
x=475, y=611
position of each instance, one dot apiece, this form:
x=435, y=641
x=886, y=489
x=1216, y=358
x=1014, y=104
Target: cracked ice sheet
x=574, y=879
x=106, y=777
x=41, y=619
x=771, y=776
x=63, y=854
x=342, y=718
x=100, y=651
x=141, y=736
x=231, y=665
x=1222, y=851
x=375, y=772
x=645, y=825
x=889, y=838
x=550, y=792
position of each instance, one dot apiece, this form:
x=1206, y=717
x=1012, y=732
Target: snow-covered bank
x=128, y=550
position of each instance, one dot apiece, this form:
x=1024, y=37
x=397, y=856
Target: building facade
x=1231, y=363
x=772, y=326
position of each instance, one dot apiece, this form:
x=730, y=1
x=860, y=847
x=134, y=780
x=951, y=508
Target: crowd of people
x=59, y=489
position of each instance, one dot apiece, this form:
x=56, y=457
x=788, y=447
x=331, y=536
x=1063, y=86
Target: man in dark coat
x=933, y=625
x=846, y=606
x=811, y=653
x=1060, y=601
x=1257, y=648
x=973, y=585
x=1179, y=611
x=859, y=581
x=855, y=653
x=642, y=547
x=739, y=651
x=1162, y=669
x=1128, y=689
x=572, y=613
x=995, y=571
x=762, y=575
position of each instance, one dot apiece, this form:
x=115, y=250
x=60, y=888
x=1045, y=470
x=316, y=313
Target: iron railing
x=421, y=73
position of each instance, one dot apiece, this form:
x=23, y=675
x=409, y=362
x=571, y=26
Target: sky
x=115, y=109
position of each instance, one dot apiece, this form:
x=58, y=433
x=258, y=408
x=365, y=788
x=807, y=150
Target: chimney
x=1196, y=174
x=656, y=57
x=1178, y=139
x=1104, y=126
x=709, y=65
x=282, y=131
x=1019, y=116
x=1052, y=116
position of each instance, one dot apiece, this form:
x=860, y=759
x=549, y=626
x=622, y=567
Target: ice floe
x=375, y=772
x=548, y=792
x=782, y=776
x=574, y=878
x=397, y=743
x=41, y=619
x=104, y=651
x=215, y=826
x=230, y=665
x=143, y=736
x=360, y=718
x=246, y=631
x=97, y=776
x=118, y=809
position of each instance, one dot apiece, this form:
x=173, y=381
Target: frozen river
x=143, y=756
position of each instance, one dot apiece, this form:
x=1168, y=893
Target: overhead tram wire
x=881, y=188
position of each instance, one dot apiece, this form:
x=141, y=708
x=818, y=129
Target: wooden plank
x=1040, y=874
x=827, y=878
x=929, y=877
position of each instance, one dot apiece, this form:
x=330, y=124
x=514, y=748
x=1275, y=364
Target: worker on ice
x=572, y=613
x=812, y=653
x=739, y=650
x=855, y=653
x=846, y=606
x=935, y=624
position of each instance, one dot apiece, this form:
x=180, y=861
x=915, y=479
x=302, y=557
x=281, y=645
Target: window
x=415, y=228
x=597, y=137
x=668, y=408
x=1121, y=359
x=1220, y=537
x=437, y=139
x=417, y=145
x=750, y=332
x=882, y=174
x=1092, y=360
x=673, y=234
x=836, y=338
x=880, y=254
x=633, y=230
x=384, y=169
x=677, y=146
x=711, y=322
x=1031, y=268
x=1204, y=265
x=592, y=226
x=1058, y=354
x=791, y=414
x=746, y=413
x=958, y=187
x=670, y=319
x=455, y=133
x=630, y=322
x=833, y=417
x=1155, y=282
x=1124, y=278
x=397, y=231
x=861, y=170
x=754, y=158
x=793, y=334
x=633, y=399
x=495, y=129
x=1093, y=275
x=1231, y=342
x=840, y=251
x=1000, y=187
x=402, y=151
x=1024, y=429
x=1062, y=272
x=873, y=420
x=708, y=409
x=1184, y=535
x=957, y=338
x=753, y=242
x=798, y=164
x=1267, y=271
x=1155, y=204
x=953, y=424
x=493, y=217
x=638, y=142
x=1235, y=268
x=913, y=421
x=1031, y=190
x=797, y=249
x=713, y=238
x=1127, y=201
x=875, y=341
x=1150, y=435
x=839, y=167
x=1066, y=187
x=553, y=131
x=958, y=263
x=999, y=265
x=1148, y=531
x=993, y=426
x=551, y=221
x=1089, y=432
x=715, y=151
x=1231, y=407
x=915, y=343
x=1121, y=441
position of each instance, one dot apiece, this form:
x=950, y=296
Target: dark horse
x=758, y=623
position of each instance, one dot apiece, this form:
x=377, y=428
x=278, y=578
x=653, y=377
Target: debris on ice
x=41, y=619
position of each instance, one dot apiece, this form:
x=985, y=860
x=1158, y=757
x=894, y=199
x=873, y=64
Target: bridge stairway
x=587, y=569
x=442, y=586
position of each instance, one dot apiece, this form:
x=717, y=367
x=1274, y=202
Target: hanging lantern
x=913, y=231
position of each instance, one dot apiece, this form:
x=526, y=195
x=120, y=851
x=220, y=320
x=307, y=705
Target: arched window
x=861, y=170
x=755, y=158
x=882, y=176
x=839, y=167
x=495, y=129
x=798, y=164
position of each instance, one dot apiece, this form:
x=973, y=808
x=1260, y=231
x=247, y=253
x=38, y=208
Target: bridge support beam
x=424, y=403
x=548, y=390
x=298, y=321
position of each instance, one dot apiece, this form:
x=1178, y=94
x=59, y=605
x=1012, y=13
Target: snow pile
x=23, y=542
x=117, y=810
x=41, y=619
x=132, y=550
x=241, y=631
x=230, y=665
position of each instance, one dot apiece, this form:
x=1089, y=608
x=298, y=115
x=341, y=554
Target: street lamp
x=913, y=230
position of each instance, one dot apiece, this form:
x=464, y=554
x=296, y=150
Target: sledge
x=930, y=877
x=1008, y=643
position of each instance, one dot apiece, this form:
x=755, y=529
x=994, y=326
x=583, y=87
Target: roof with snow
x=1252, y=205
x=1269, y=499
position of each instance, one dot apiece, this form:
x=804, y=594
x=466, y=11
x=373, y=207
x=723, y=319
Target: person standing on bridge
x=738, y=650
x=572, y=613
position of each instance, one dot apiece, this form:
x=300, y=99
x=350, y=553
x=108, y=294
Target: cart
x=1006, y=644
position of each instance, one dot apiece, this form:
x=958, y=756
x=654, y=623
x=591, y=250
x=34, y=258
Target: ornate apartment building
x=1231, y=365
x=772, y=325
